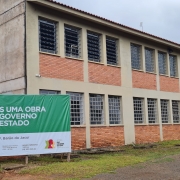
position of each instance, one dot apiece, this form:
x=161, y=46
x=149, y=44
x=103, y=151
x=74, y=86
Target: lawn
x=89, y=165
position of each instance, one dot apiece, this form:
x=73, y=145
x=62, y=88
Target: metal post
x=68, y=157
x=26, y=159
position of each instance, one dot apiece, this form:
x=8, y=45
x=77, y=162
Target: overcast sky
x=159, y=17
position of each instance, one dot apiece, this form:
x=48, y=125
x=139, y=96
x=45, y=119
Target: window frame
x=109, y=62
x=152, y=60
x=168, y=112
x=142, y=111
x=49, y=92
x=133, y=61
x=75, y=106
x=165, y=63
x=155, y=109
x=119, y=121
x=178, y=112
x=79, y=36
x=176, y=66
x=48, y=22
x=100, y=121
x=99, y=46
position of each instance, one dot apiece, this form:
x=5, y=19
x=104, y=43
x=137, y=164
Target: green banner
x=34, y=113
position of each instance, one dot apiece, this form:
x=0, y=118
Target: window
x=176, y=111
x=152, y=110
x=162, y=63
x=135, y=56
x=138, y=110
x=149, y=58
x=93, y=43
x=114, y=110
x=72, y=42
x=96, y=109
x=111, y=50
x=165, y=111
x=43, y=91
x=173, y=65
x=47, y=36
x=76, y=108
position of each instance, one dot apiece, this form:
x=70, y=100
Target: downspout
x=25, y=49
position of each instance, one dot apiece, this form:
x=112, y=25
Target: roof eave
x=99, y=20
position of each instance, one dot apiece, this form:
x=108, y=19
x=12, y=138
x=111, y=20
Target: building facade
x=123, y=84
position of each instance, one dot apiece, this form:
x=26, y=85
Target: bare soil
x=167, y=168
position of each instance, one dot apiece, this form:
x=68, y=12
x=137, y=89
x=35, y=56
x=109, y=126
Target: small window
x=162, y=63
x=96, y=109
x=149, y=58
x=176, y=111
x=114, y=110
x=111, y=50
x=173, y=65
x=43, y=91
x=76, y=108
x=93, y=43
x=72, y=42
x=165, y=111
x=138, y=110
x=135, y=56
x=47, y=36
x=152, y=110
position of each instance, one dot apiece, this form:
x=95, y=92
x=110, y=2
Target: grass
x=91, y=165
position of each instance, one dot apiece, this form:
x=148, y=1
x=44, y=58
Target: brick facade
x=107, y=136
x=144, y=80
x=169, y=84
x=78, y=138
x=102, y=74
x=171, y=132
x=60, y=68
x=147, y=134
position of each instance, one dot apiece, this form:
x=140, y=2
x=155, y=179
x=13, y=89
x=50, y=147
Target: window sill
x=143, y=124
x=78, y=126
x=114, y=125
x=164, y=75
x=98, y=125
x=150, y=72
x=137, y=70
x=49, y=54
x=166, y=123
x=155, y=124
x=95, y=62
x=176, y=123
x=117, y=66
x=175, y=77
x=68, y=57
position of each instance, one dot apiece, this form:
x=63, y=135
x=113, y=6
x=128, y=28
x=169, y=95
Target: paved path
x=164, y=169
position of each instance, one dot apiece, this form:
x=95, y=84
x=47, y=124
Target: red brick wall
x=169, y=84
x=61, y=68
x=107, y=136
x=143, y=80
x=171, y=132
x=78, y=138
x=99, y=73
x=147, y=134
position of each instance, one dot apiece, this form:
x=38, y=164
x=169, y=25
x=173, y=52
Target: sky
x=160, y=17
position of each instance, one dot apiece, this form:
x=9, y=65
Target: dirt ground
x=162, y=169
x=167, y=168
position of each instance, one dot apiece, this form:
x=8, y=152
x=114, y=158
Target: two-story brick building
x=123, y=83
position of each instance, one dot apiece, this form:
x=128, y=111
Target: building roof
x=121, y=25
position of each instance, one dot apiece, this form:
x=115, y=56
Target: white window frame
x=139, y=113
x=97, y=107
